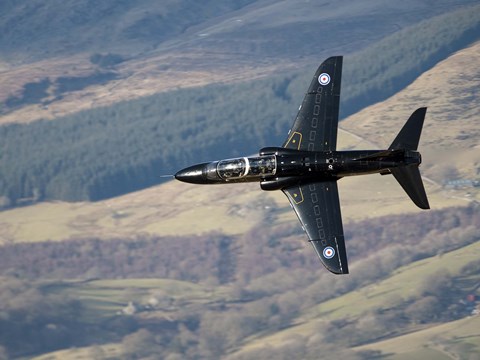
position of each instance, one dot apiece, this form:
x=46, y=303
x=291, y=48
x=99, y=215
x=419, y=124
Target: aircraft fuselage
x=277, y=168
x=307, y=166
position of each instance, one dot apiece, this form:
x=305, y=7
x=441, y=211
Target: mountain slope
x=187, y=272
x=378, y=300
x=108, y=151
x=154, y=211
x=267, y=318
x=449, y=140
x=35, y=29
x=234, y=45
x=176, y=208
x=448, y=340
x=450, y=91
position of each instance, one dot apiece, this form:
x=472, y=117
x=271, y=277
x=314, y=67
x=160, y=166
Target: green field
x=107, y=298
x=103, y=299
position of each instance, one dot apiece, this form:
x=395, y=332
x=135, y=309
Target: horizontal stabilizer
x=411, y=181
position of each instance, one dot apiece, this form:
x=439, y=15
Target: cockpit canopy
x=261, y=166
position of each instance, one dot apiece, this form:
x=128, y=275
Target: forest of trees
x=105, y=152
x=265, y=272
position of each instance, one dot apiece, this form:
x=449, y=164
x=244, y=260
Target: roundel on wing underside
x=328, y=252
x=324, y=79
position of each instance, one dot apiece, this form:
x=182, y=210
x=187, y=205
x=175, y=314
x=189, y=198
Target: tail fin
x=409, y=176
x=409, y=136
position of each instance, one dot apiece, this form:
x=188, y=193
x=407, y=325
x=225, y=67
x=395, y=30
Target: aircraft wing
x=315, y=127
x=318, y=208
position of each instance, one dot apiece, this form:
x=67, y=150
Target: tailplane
x=408, y=176
x=411, y=181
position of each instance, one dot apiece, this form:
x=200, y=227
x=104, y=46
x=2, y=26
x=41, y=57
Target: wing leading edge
x=317, y=206
x=315, y=127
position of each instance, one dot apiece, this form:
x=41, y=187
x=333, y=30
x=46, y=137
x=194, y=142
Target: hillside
x=31, y=28
x=258, y=313
x=166, y=209
x=452, y=128
x=449, y=90
x=231, y=290
x=404, y=284
x=108, y=151
x=183, y=272
x=36, y=30
x=155, y=211
x=151, y=47
x=437, y=340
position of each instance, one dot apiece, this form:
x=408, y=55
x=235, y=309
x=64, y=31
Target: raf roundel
x=324, y=79
x=328, y=252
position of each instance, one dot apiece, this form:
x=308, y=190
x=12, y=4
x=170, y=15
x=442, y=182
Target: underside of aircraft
x=307, y=166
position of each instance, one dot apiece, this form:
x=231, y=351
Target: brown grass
x=449, y=90
x=137, y=78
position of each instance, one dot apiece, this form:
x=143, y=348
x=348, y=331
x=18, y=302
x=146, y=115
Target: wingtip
x=344, y=272
x=341, y=271
x=425, y=206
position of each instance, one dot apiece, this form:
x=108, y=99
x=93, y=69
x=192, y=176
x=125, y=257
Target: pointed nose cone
x=194, y=174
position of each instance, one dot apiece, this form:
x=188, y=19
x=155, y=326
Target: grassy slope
x=449, y=142
x=155, y=210
x=404, y=283
x=30, y=27
x=110, y=351
x=449, y=91
x=433, y=342
x=105, y=297
x=181, y=209
x=214, y=50
x=137, y=78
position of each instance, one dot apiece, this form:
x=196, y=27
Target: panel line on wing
x=338, y=252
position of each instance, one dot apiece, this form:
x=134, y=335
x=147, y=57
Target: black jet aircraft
x=307, y=166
